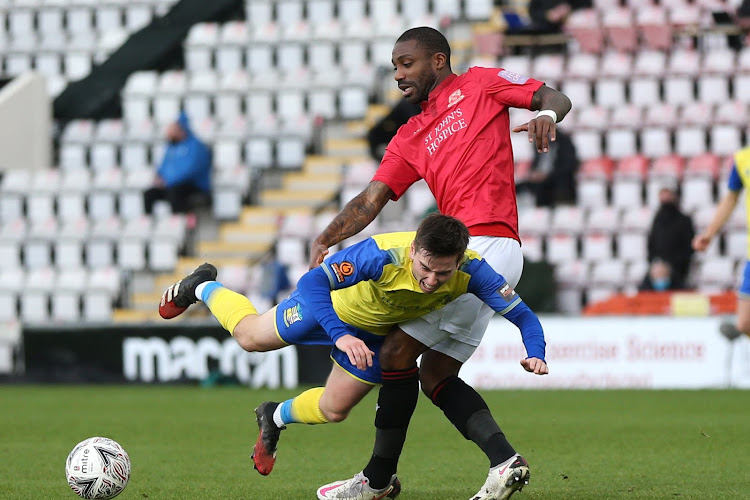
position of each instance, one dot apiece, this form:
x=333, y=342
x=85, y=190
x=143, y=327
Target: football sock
x=396, y=403
x=303, y=409
x=468, y=412
x=227, y=306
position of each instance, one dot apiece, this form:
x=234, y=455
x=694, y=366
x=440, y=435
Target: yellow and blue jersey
x=368, y=288
x=740, y=175
x=738, y=178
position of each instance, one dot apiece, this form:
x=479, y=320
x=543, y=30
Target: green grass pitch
x=194, y=443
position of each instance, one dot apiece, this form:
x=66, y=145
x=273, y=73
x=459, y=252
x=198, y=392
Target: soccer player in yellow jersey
x=739, y=177
x=351, y=302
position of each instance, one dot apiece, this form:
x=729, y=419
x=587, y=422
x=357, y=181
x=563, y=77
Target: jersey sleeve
x=360, y=262
x=506, y=87
x=394, y=171
x=735, y=181
x=492, y=288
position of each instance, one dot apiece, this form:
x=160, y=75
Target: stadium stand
x=285, y=95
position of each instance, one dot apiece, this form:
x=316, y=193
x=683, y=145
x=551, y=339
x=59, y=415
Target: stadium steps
x=245, y=241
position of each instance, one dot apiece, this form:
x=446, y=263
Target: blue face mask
x=661, y=284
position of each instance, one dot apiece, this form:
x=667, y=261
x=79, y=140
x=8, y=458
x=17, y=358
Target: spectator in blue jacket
x=185, y=169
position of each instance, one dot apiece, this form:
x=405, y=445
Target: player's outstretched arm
x=723, y=211
x=355, y=216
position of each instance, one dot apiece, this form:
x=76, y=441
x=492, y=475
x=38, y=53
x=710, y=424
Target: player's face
x=431, y=271
x=414, y=71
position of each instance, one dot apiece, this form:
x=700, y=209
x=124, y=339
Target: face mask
x=661, y=284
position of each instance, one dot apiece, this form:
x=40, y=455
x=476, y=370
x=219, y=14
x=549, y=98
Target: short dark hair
x=429, y=39
x=442, y=236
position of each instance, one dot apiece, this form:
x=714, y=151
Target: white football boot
x=505, y=479
x=357, y=488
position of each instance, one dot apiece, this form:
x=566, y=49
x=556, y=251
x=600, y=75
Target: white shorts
x=457, y=329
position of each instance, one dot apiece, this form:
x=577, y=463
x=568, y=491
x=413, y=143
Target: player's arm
x=722, y=214
x=492, y=288
x=355, y=216
x=543, y=128
x=360, y=262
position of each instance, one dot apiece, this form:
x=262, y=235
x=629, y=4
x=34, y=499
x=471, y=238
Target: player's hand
x=535, y=365
x=359, y=354
x=541, y=130
x=701, y=242
x=318, y=252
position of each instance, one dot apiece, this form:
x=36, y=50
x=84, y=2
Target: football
x=98, y=467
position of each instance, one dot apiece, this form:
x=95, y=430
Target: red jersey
x=460, y=145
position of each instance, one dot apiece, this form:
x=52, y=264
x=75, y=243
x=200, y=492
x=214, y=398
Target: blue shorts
x=744, y=290
x=295, y=324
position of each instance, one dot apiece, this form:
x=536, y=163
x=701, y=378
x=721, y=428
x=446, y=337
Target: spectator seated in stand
x=184, y=176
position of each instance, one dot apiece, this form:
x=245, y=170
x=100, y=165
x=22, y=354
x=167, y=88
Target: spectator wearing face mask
x=669, y=244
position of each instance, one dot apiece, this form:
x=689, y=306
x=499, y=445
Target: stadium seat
x=532, y=220
x=588, y=144
x=561, y=247
x=655, y=31
x=690, y=141
x=650, y=63
x=616, y=64
x=99, y=247
x=34, y=296
x=696, y=192
x=603, y=220
x=678, y=89
x=99, y=295
x=631, y=245
x=12, y=235
x=644, y=90
x=65, y=298
x=713, y=89
x=627, y=192
x=655, y=142
x=596, y=246
x=634, y=273
x=585, y=27
x=591, y=192
x=620, y=29
x=548, y=66
x=353, y=102
x=725, y=140
x=582, y=66
x=637, y=218
x=131, y=244
x=716, y=275
x=532, y=247
x=290, y=151
x=568, y=219
x=633, y=167
x=730, y=113
x=578, y=91
x=620, y=143
x=735, y=243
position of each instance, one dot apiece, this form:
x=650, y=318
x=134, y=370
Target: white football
x=98, y=467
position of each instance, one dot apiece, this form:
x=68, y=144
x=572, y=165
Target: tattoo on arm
x=357, y=214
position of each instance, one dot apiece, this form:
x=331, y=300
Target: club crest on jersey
x=507, y=291
x=512, y=77
x=454, y=98
x=342, y=269
x=292, y=315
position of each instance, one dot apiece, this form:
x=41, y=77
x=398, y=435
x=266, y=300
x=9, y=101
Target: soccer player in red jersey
x=460, y=144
